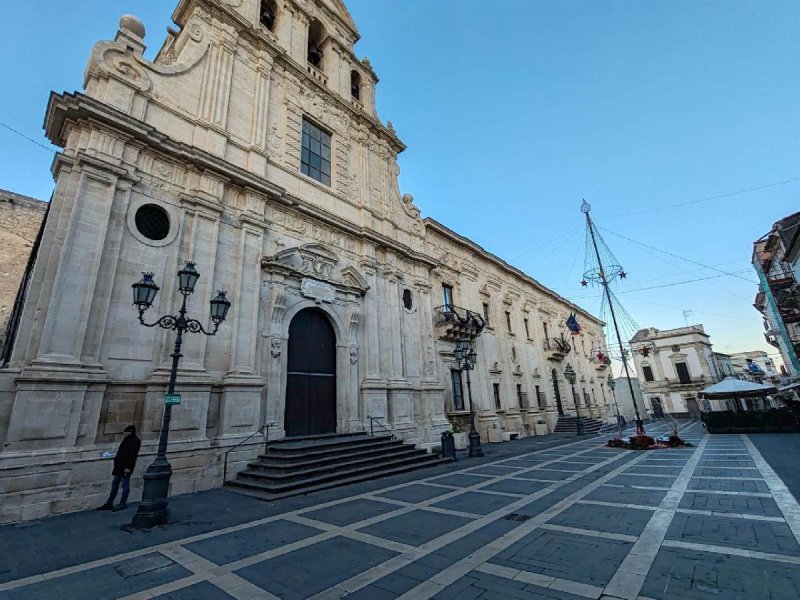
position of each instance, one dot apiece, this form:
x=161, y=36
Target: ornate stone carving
x=353, y=355
x=275, y=347
x=319, y=291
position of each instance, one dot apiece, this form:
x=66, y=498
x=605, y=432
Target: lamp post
x=611, y=385
x=152, y=509
x=467, y=357
x=569, y=374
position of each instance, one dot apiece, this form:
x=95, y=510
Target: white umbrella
x=732, y=387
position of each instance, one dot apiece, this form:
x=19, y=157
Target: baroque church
x=251, y=146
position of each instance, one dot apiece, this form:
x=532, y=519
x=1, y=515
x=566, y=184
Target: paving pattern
x=567, y=522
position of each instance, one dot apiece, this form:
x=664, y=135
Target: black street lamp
x=569, y=374
x=467, y=357
x=611, y=385
x=152, y=509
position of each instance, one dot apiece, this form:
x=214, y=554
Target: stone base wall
x=43, y=483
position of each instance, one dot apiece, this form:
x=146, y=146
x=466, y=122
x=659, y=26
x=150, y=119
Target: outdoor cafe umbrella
x=730, y=387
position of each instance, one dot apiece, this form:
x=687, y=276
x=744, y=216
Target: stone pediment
x=318, y=262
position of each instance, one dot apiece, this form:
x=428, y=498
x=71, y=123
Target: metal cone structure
x=602, y=268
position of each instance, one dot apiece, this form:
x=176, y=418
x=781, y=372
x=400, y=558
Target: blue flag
x=572, y=324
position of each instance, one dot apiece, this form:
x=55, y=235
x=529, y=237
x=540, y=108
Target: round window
x=152, y=222
x=408, y=301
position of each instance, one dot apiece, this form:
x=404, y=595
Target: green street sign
x=172, y=399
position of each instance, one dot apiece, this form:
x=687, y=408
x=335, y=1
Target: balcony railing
x=689, y=381
x=456, y=323
x=556, y=348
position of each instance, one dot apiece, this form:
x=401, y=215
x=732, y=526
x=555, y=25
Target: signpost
x=172, y=399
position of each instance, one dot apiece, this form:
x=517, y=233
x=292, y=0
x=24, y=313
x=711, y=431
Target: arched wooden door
x=557, y=393
x=311, y=376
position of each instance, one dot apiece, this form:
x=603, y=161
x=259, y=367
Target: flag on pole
x=572, y=324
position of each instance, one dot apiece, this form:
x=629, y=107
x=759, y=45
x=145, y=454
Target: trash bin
x=448, y=445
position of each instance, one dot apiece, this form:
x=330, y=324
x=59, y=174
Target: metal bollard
x=448, y=445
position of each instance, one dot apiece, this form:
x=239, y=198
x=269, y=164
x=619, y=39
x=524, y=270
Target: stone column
x=373, y=387
x=241, y=396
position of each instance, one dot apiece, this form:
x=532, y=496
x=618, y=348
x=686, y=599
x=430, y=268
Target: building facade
x=20, y=220
x=775, y=259
x=673, y=366
x=251, y=145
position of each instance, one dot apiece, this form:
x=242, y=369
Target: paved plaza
x=543, y=518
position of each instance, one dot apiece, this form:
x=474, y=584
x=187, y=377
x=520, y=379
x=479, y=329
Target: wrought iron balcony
x=556, y=348
x=455, y=323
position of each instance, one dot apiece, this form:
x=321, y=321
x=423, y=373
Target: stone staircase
x=299, y=465
x=569, y=424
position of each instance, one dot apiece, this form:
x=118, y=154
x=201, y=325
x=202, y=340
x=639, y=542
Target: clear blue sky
x=514, y=110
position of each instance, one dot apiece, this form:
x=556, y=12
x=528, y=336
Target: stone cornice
x=501, y=264
x=74, y=107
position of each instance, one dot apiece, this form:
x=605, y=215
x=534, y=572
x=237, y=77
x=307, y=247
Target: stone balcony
x=454, y=323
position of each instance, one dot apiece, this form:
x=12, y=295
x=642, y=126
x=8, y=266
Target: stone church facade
x=251, y=146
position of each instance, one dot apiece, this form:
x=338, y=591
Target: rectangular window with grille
x=496, y=388
x=315, y=160
x=508, y=322
x=540, y=399
x=527, y=330
x=521, y=397
x=683, y=373
x=648, y=373
x=486, y=313
x=458, y=390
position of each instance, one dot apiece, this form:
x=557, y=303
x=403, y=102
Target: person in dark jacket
x=124, y=463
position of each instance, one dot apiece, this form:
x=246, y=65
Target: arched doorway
x=311, y=375
x=558, y=393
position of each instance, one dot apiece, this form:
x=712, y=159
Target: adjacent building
x=20, y=221
x=776, y=259
x=251, y=145
x=673, y=366
x=624, y=400
x=755, y=365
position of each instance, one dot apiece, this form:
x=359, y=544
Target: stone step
x=283, y=472
x=293, y=451
x=297, y=465
x=569, y=424
x=256, y=492
x=269, y=485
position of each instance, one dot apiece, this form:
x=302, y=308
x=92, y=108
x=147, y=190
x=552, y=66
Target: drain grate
x=516, y=517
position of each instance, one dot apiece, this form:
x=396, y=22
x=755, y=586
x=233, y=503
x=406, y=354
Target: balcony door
x=683, y=372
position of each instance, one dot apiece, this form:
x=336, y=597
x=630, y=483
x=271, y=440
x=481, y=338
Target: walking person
x=124, y=462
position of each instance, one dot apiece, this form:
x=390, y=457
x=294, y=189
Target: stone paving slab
x=645, y=480
x=494, y=471
x=733, y=532
x=679, y=574
x=105, y=583
x=483, y=586
x=198, y=591
x=545, y=474
x=610, y=519
x=230, y=547
x=556, y=554
x=728, y=485
x=460, y=480
x=516, y=486
x=627, y=495
x=415, y=493
x=351, y=512
x=751, y=505
x=304, y=572
x=476, y=502
x=415, y=527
